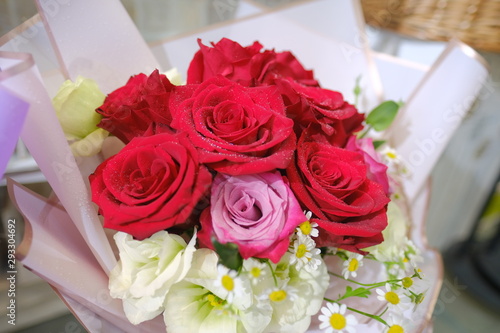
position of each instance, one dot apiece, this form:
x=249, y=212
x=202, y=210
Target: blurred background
x=463, y=221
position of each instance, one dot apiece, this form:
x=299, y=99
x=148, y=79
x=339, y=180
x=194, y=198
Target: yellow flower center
x=277, y=296
x=391, y=155
x=301, y=250
x=214, y=301
x=305, y=227
x=407, y=282
x=353, y=265
x=337, y=321
x=228, y=282
x=395, y=329
x=255, y=272
x=392, y=297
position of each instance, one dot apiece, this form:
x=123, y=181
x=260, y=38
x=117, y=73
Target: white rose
x=75, y=105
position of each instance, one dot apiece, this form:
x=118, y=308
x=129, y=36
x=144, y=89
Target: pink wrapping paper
x=46, y=142
x=101, y=44
x=54, y=249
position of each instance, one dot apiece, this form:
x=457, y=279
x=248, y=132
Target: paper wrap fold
x=67, y=244
x=13, y=110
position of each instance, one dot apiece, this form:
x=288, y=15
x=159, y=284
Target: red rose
x=331, y=182
x=142, y=103
x=238, y=130
x=325, y=109
x=246, y=65
x=152, y=184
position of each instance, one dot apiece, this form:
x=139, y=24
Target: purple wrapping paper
x=13, y=110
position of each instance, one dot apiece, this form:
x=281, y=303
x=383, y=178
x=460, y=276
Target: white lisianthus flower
x=75, y=105
x=199, y=303
x=293, y=314
x=146, y=271
x=394, y=236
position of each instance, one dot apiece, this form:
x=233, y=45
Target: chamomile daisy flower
x=394, y=298
x=396, y=324
x=305, y=254
x=390, y=156
x=229, y=281
x=278, y=295
x=352, y=264
x=411, y=256
x=333, y=319
x=308, y=228
x=256, y=270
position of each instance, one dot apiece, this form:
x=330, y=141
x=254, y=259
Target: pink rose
x=376, y=170
x=257, y=212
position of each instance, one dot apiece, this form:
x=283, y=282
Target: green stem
x=365, y=132
x=369, y=315
x=272, y=273
x=370, y=285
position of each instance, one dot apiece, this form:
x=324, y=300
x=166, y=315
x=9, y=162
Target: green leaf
x=382, y=116
x=358, y=292
x=229, y=255
x=378, y=143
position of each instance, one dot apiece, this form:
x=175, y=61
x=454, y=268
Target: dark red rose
x=331, y=182
x=249, y=66
x=325, y=110
x=152, y=184
x=238, y=130
x=142, y=103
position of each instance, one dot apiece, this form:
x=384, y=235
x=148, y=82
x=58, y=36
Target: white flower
x=146, y=271
x=390, y=156
x=257, y=271
x=307, y=228
x=396, y=324
x=394, y=236
x=228, y=280
x=198, y=303
x=352, y=264
x=304, y=296
x=280, y=294
x=174, y=76
x=411, y=256
x=75, y=105
x=333, y=319
x=395, y=299
x=305, y=254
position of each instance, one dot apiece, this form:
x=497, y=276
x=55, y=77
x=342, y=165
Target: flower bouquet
x=248, y=199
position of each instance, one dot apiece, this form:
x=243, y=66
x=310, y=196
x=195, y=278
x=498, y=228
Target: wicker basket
x=475, y=22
